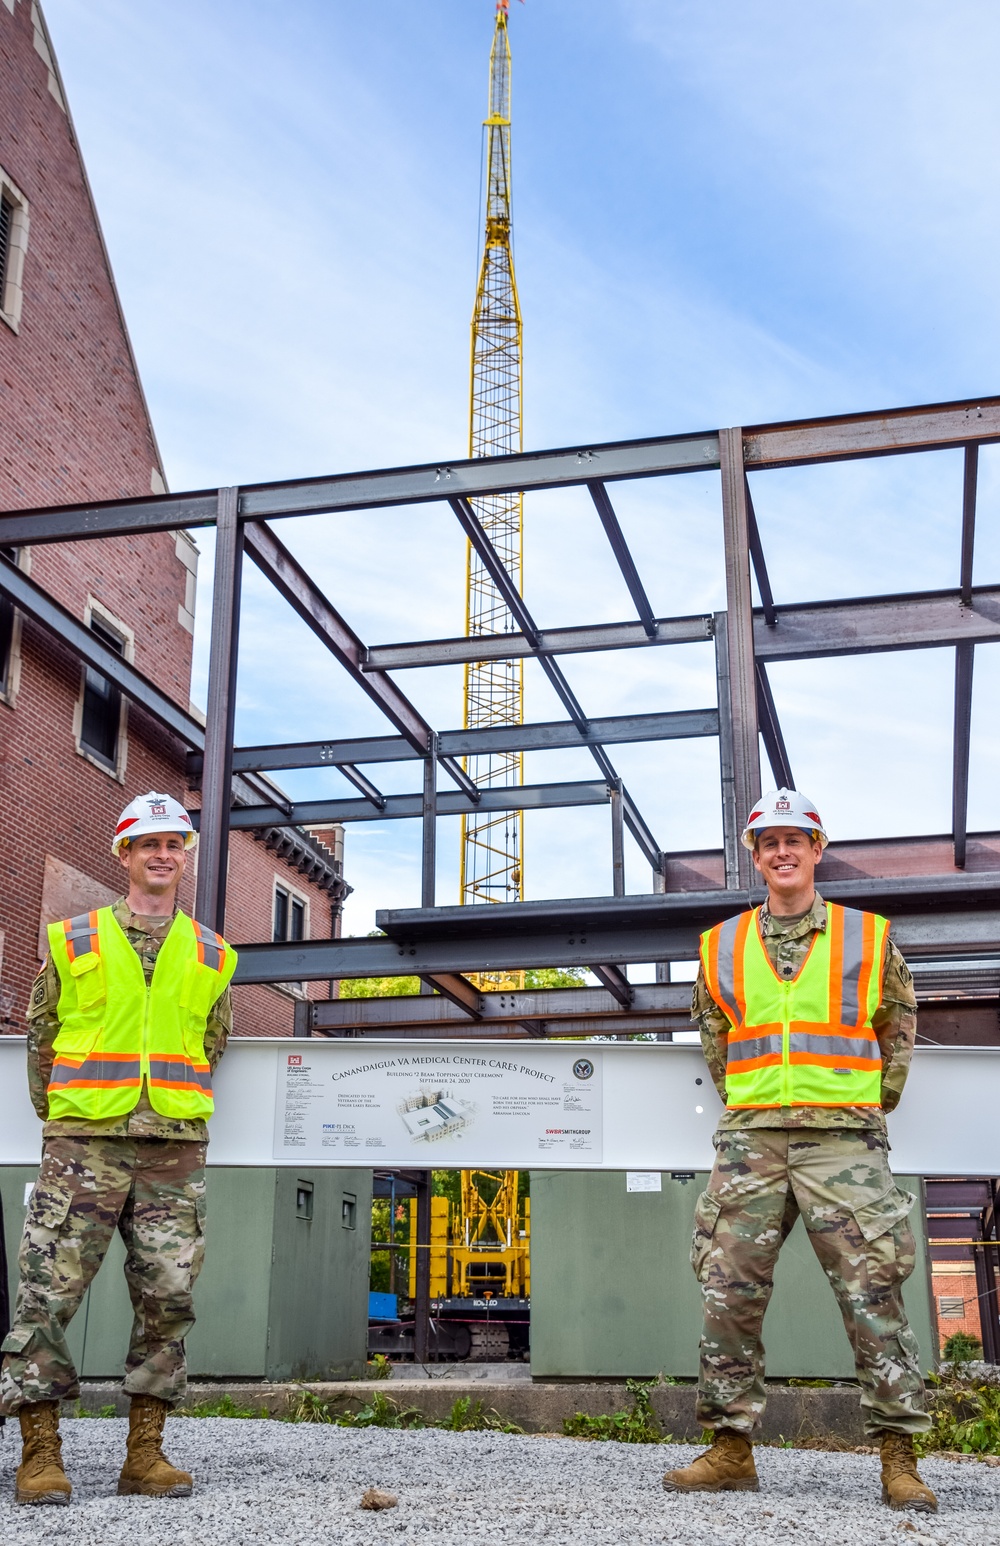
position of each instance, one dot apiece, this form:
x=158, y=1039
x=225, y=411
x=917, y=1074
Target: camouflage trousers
x=856, y=1217
x=153, y=1191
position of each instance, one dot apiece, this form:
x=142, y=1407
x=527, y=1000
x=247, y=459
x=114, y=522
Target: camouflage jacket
x=787, y=942
x=146, y=935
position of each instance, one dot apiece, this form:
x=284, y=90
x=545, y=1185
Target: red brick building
x=75, y=427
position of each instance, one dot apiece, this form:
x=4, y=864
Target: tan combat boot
x=147, y=1471
x=726, y=1467
x=901, y=1486
x=40, y=1476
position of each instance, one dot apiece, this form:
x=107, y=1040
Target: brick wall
x=76, y=428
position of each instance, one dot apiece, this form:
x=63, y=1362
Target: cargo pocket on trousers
x=17, y=1340
x=890, y=1249
x=706, y=1216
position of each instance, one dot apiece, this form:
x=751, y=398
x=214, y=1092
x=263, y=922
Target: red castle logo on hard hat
x=157, y=808
x=782, y=805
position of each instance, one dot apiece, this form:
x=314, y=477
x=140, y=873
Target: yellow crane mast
x=492, y=843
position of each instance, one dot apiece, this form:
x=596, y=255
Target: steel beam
x=675, y=724
x=220, y=716
x=429, y=811
x=727, y=787
x=616, y=982
x=539, y=1005
x=37, y=604
x=403, y=807
x=550, y=641
x=366, y=786
x=925, y=428
x=740, y=639
x=458, y=990
x=617, y=839
x=872, y=624
x=926, y=934
x=759, y=561
x=625, y=561
x=971, y=473
x=770, y=729
x=878, y=433
x=964, y=661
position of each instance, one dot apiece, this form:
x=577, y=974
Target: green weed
x=225, y=1406
x=965, y=1415
x=105, y=1411
x=380, y=1367
x=640, y=1425
x=468, y=1416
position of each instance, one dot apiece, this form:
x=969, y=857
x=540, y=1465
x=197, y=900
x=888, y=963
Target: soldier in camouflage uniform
x=824, y=1161
x=140, y=1172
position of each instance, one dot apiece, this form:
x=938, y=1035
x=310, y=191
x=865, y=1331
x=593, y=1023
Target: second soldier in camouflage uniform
x=828, y=1165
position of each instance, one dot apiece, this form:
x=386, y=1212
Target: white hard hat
x=153, y=813
x=783, y=808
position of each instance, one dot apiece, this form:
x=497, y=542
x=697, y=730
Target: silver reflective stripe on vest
x=754, y=1047
x=210, y=946
x=98, y=1071
x=79, y=928
x=835, y=1046
x=179, y=1073
x=853, y=961
x=727, y=962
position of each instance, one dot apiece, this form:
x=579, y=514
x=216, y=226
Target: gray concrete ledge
x=793, y=1412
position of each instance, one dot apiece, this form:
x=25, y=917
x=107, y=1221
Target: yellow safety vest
x=807, y=1041
x=115, y=1032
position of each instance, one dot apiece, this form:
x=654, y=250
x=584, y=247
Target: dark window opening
x=6, y=229
x=6, y=619
x=280, y=913
x=289, y=915
x=102, y=700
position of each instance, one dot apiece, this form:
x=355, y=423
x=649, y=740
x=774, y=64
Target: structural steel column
x=428, y=868
x=739, y=607
x=730, y=828
x=617, y=839
x=217, y=774
x=422, y=1297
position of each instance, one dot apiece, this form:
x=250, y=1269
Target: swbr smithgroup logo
x=295, y=1060
x=583, y=1068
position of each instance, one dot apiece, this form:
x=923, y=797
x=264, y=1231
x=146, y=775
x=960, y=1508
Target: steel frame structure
x=943, y=907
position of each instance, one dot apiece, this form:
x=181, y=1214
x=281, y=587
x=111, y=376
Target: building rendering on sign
x=76, y=428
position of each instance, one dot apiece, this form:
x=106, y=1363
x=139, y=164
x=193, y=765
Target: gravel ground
x=301, y=1485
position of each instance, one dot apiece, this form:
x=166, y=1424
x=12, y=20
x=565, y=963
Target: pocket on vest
x=890, y=1249
x=88, y=975
x=76, y=1041
x=199, y=989
x=706, y=1216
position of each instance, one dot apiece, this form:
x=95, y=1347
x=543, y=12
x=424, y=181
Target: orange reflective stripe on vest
x=808, y=1041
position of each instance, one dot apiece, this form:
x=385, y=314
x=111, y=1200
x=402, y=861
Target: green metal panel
x=319, y=1281
x=267, y=1274
x=612, y=1291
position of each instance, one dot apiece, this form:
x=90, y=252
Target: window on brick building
x=13, y=246
x=291, y=922
x=289, y=914
x=100, y=714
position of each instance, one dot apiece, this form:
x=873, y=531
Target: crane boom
x=492, y=843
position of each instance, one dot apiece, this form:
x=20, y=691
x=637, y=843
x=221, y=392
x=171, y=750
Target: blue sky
x=724, y=214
